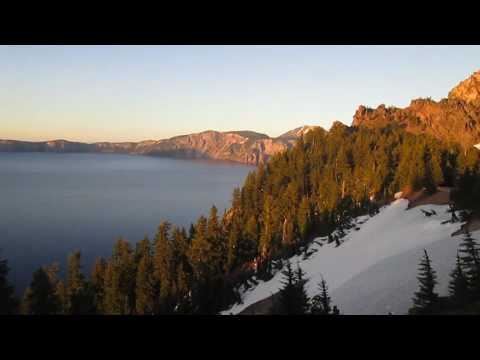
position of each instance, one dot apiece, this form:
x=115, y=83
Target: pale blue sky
x=121, y=93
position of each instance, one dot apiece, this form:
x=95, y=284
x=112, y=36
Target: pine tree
x=469, y=257
x=8, y=302
x=267, y=236
x=426, y=299
x=335, y=310
x=458, y=286
x=191, y=232
x=217, y=254
x=236, y=199
x=40, y=298
x=292, y=298
x=60, y=290
x=98, y=283
x=183, y=270
x=250, y=237
x=120, y=280
x=233, y=247
x=145, y=289
x=304, y=218
x=200, y=249
x=288, y=236
x=321, y=302
x=75, y=286
x=429, y=181
x=163, y=268
x=303, y=301
x=112, y=304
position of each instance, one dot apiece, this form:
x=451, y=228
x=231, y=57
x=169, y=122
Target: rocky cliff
x=240, y=146
x=455, y=118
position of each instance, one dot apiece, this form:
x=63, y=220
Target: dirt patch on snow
x=262, y=307
x=441, y=197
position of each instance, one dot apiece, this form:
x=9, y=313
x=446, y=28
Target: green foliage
x=41, y=296
x=292, y=298
x=321, y=303
x=426, y=299
x=458, y=286
x=98, y=283
x=79, y=294
x=470, y=262
x=145, y=282
x=119, y=285
x=8, y=302
x=467, y=193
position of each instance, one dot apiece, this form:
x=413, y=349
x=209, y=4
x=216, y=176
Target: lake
x=52, y=204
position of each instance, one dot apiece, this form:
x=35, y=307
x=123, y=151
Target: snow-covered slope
x=374, y=270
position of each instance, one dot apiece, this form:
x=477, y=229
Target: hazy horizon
x=136, y=93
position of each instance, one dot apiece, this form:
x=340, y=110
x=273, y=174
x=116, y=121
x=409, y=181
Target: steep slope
x=455, y=118
x=240, y=146
x=374, y=270
x=468, y=90
x=244, y=146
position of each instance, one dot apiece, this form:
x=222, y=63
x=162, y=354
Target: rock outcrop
x=468, y=90
x=453, y=119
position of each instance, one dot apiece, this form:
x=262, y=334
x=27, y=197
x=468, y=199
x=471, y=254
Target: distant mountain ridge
x=245, y=146
x=452, y=119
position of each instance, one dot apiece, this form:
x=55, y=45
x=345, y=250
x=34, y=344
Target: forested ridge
x=316, y=187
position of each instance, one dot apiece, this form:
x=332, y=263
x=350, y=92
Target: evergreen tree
x=288, y=236
x=191, y=232
x=429, y=181
x=292, y=298
x=200, y=249
x=234, y=252
x=303, y=301
x=335, y=310
x=321, y=302
x=250, y=238
x=217, y=253
x=112, y=304
x=76, y=290
x=304, y=218
x=40, y=298
x=426, y=299
x=469, y=257
x=267, y=235
x=183, y=270
x=8, y=302
x=120, y=280
x=164, y=269
x=60, y=290
x=458, y=286
x=98, y=283
x=145, y=289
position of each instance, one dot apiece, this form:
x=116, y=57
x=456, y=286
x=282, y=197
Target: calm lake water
x=52, y=204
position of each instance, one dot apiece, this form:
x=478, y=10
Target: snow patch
x=374, y=270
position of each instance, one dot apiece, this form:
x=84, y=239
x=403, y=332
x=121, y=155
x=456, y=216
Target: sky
x=134, y=93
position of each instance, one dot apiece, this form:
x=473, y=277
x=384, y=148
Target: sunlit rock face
x=246, y=147
x=455, y=118
x=468, y=90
